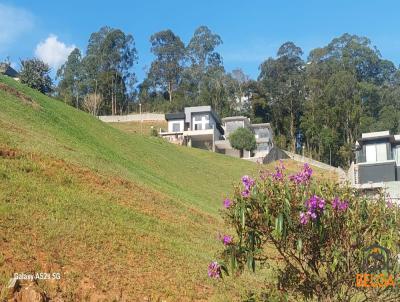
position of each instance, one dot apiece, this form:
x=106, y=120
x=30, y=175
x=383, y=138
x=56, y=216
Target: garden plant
x=321, y=231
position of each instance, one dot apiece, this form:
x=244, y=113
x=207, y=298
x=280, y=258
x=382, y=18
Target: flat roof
x=234, y=118
x=379, y=135
x=375, y=134
x=175, y=116
x=261, y=125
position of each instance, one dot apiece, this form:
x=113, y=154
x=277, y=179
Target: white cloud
x=14, y=22
x=53, y=52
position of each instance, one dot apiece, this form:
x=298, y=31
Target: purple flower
x=315, y=207
x=303, y=176
x=214, y=270
x=278, y=175
x=389, y=201
x=339, y=205
x=248, y=182
x=344, y=205
x=227, y=203
x=303, y=218
x=246, y=193
x=226, y=239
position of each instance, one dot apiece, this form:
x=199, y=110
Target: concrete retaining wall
x=310, y=161
x=132, y=118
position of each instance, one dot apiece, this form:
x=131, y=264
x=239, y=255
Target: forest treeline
x=317, y=103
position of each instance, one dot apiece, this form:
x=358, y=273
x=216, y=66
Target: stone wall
x=132, y=117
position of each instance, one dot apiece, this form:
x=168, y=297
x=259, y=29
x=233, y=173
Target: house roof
x=7, y=70
x=376, y=136
x=234, y=118
x=175, y=116
x=261, y=125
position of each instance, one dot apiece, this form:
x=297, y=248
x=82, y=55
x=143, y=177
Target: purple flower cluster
x=278, y=175
x=214, y=270
x=226, y=239
x=227, y=203
x=339, y=205
x=303, y=176
x=248, y=183
x=315, y=207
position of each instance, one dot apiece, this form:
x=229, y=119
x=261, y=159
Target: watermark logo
x=376, y=259
x=377, y=268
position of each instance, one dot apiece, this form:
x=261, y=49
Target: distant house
x=6, y=69
x=377, y=162
x=197, y=127
x=200, y=127
x=262, y=133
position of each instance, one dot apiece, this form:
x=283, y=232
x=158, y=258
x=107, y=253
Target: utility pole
x=141, y=119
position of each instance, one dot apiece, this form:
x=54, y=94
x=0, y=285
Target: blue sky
x=251, y=30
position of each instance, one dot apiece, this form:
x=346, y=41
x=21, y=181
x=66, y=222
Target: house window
x=263, y=147
x=201, y=122
x=176, y=127
x=396, y=155
x=375, y=153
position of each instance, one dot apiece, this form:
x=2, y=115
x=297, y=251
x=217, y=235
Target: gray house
x=377, y=162
x=197, y=127
x=200, y=127
x=262, y=132
x=6, y=69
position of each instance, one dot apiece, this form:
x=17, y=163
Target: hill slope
x=120, y=216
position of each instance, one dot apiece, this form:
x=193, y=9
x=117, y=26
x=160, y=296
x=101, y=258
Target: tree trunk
x=170, y=91
x=292, y=131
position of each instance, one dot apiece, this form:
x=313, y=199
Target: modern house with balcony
x=200, y=127
x=377, y=163
x=197, y=127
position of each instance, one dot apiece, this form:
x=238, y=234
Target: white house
x=197, y=127
x=200, y=127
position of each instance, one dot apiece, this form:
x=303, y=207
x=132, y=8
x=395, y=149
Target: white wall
x=181, y=125
x=132, y=117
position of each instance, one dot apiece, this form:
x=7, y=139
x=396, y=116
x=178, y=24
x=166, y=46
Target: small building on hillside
x=262, y=132
x=377, y=164
x=197, y=127
x=200, y=127
x=7, y=70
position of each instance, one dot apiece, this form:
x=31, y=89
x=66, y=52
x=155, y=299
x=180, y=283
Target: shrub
x=320, y=231
x=153, y=131
x=243, y=139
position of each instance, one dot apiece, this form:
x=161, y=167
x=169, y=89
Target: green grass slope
x=122, y=217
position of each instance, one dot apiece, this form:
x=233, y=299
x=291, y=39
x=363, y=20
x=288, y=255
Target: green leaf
x=299, y=245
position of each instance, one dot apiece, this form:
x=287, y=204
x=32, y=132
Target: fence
x=132, y=118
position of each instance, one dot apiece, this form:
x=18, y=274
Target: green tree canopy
x=165, y=70
x=36, y=74
x=70, y=76
x=243, y=139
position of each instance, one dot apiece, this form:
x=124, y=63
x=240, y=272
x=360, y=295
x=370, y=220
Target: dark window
x=176, y=127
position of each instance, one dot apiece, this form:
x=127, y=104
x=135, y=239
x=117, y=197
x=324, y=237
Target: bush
x=243, y=139
x=320, y=230
x=153, y=131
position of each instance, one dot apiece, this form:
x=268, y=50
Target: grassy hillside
x=140, y=128
x=121, y=216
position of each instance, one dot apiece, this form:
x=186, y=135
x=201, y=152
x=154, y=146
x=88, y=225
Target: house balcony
x=173, y=137
x=376, y=172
